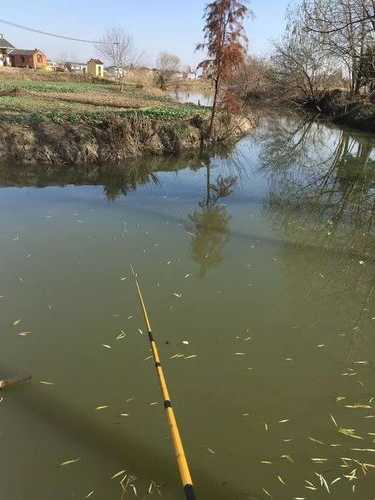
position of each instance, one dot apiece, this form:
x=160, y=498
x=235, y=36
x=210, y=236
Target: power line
x=26, y=28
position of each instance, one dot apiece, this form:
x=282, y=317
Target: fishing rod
x=182, y=462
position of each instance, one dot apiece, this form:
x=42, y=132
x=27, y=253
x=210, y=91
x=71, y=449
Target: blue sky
x=156, y=25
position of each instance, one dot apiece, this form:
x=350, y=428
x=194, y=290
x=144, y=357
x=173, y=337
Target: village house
x=5, y=48
x=34, y=59
x=115, y=71
x=95, y=67
x=76, y=67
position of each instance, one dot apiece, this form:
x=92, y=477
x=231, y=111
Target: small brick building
x=34, y=59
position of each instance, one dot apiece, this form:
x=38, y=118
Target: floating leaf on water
x=333, y=420
x=211, y=451
x=319, y=460
x=46, y=382
x=118, y=474
x=140, y=331
x=178, y=295
x=104, y=407
x=349, y=433
x=267, y=492
x=267, y=462
x=191, y=356
x=107, y=346
x=240, y=353
x=281, y=480
x=17, y=322
x=369, y=450
x=70, y=461
x=124, y=414
x=336, y=480
x=289, y=458
x=185, y=342
x=121, y=335
x=359, y=406
x=187, y=276
x=284, y=421
x=316, y=440
x=154, y=403
x=24, y=334
x=90, y=494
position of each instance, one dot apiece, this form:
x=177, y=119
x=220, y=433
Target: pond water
x=188, y=97
x=257, y=266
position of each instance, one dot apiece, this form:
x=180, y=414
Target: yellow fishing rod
x=182, y=462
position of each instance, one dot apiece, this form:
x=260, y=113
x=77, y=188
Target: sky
x=156, y=25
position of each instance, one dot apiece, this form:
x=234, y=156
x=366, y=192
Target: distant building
x=5, y=48
x=51, y=65
x=115, y=71
x=34, y=59
x=76, y=67
x=95, y=67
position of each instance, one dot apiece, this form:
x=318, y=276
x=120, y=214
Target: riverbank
x=343, y=109
x=87, y=123
x=109, y=139
x=336, y=106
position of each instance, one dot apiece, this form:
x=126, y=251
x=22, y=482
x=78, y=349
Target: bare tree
x=167, y=65
x=116, y=46
x=302, y=65
x=347, y=29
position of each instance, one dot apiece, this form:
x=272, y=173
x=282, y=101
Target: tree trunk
x=214, y=106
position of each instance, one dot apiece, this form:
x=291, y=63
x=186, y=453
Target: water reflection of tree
x=120, y=183
x=322, y=194
x=209, y=224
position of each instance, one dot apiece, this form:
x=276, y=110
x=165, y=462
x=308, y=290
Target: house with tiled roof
x=23, y=58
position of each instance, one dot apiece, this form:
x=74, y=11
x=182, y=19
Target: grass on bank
x=26, y=101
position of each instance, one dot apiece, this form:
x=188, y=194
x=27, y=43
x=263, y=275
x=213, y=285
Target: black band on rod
x=189, y=492
x=167, y=404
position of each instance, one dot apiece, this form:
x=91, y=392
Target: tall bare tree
x=225, y=43
x=167, y=65
x=116, y=46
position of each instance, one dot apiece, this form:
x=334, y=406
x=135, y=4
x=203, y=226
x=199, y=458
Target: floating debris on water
x=70, y=461
x=118, y=474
